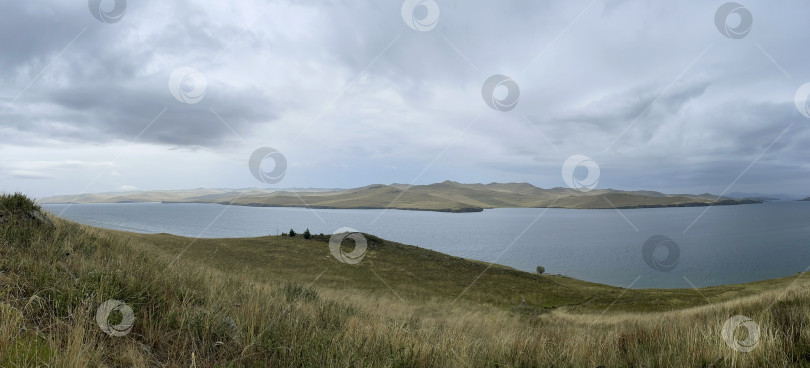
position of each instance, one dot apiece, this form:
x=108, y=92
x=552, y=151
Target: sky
x=679, y=97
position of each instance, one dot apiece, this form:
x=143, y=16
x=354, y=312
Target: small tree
x=307, y=235
x=540, y=270
x=292, y=233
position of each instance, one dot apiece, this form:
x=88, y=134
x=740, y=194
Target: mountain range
x=447, y=196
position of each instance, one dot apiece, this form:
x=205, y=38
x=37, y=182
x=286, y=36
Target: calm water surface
x=728, y=244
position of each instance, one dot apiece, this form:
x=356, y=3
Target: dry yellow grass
x=190, y=313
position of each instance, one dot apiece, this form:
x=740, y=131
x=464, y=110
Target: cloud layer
x=352, y=94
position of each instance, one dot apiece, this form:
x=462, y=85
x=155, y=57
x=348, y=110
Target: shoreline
x=495, y=266
x=726, y=202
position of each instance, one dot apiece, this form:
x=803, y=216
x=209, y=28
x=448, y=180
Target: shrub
x=307, y=235
x=540, y=270
x=21, y=219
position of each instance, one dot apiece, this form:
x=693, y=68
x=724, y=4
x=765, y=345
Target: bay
x=714, y=246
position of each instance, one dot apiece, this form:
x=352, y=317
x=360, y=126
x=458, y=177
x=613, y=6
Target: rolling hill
x=447, y=196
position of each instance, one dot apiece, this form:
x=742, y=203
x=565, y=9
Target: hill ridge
x=446, y=196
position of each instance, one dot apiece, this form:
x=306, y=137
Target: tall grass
x=52, y=280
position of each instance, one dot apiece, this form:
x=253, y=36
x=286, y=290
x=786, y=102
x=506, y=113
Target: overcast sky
x=360, y=92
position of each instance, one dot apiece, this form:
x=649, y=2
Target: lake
x=727, y=245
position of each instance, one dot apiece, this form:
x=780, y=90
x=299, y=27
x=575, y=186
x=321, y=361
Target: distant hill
x=446, y=196
x=805, y=200
x=200, y=194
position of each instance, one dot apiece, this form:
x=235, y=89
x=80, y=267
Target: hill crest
x=446, y=196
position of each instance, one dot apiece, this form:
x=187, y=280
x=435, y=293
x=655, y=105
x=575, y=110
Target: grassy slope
x=285, y=302
x=450, y=196
x=418, y=274
x=446, y=196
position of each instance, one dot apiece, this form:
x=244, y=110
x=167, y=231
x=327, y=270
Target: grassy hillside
x=446, y=196
x=281, y=301
x=456, y=197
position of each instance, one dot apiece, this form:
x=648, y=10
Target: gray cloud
x=348, y=91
